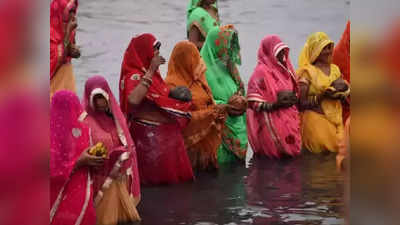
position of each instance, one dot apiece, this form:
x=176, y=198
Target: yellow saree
x=325, y=131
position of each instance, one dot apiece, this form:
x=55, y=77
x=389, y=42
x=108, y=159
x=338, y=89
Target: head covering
x=341, y=54
x=59, y=15
x=68, y=139
x=184, y=66
x=136, y=62
x=269, y=49
x=200, y=18
x=193, y=4
x=280, y=129
x=98, y=85
x=220, y=47
x=313, y=47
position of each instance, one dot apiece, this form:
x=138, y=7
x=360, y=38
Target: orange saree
x=203, y=134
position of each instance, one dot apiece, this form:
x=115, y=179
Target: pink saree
x=275, y=133
x=71, y=192
x=113, y=132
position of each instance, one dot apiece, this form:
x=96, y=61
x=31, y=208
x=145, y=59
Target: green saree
x=199, y=17
x=222, y=44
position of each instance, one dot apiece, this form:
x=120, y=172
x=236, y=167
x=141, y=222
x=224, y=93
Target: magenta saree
x=71, y=192
x=111, y=129
x=275, y=133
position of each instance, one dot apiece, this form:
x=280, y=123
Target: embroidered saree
x=71, y=191
x=203, y=133
x=61, y=71
x=162, y=156
x=200, y=18
x=320, y=132
x=115, y=198
x=275, y=133
x=221, y=46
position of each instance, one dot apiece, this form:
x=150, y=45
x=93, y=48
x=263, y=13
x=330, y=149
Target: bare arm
x=140, y=91
x=196, y=37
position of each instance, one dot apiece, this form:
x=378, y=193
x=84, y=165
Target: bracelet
x=268, y=106
x=314, y=100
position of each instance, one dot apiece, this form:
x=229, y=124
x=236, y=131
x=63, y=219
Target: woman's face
x=281, y=57
x=100, y=103
x=326, y=54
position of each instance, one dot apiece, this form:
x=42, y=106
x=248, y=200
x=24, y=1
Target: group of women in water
x=197, y=118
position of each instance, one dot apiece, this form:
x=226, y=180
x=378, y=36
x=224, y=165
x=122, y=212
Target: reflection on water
x=303, y=191
x=307, y=190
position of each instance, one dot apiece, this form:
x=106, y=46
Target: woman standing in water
x=273, y=119
x=322, y=89
x=202, y=16
x=203, y=134
x=221, y=53
x=155, y=119
x=71, y=190
x=116, y=185
x=62, y=45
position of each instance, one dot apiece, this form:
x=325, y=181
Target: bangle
x=268, y=106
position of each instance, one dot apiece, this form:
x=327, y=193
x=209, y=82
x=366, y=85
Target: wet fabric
x=59, y=14
x=161, y=153
x=113, y=132
x=330, y=124
x=203, y=133
x=220, y=48
x=275, y=133
x=341, y=58
x=200, y=18
x=71, y=191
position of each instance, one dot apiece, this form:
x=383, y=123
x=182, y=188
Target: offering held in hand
x=98, y=150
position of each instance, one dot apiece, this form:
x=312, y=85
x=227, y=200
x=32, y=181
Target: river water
x=307, y=190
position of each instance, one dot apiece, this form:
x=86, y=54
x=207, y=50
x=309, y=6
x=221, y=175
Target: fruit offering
x=98, y=150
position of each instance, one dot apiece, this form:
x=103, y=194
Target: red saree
x=162, y=156
x=59, y=12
